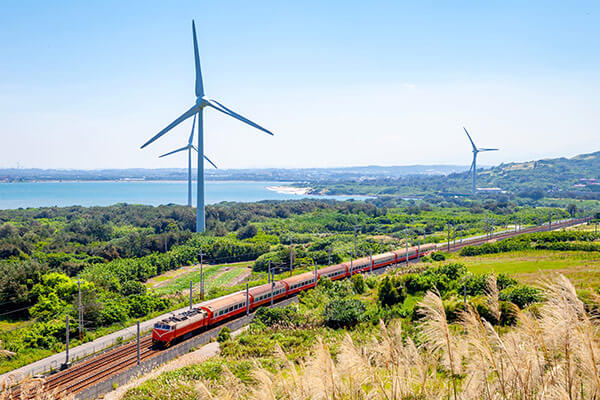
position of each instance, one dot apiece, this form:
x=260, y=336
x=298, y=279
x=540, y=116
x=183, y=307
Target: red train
x=209, y=313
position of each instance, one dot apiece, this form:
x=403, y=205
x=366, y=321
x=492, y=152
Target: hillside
x=579, y=173
x=578, y=176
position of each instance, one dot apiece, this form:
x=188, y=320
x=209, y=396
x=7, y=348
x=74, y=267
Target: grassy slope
x=582, y=268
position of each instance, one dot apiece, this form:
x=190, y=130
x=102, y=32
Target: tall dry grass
x=553, y=354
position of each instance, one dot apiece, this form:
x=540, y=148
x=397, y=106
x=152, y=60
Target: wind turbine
x=190, y=146
x=476, y=151
x=197, y=110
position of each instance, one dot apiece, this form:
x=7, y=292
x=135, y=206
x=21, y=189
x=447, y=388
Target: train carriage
x=299, y=282
x=385, y=259
x=262, y=294
x=334, y=272
x=360, y=265
x=226, y=307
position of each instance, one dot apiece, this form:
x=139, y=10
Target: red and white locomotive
x=210, y=313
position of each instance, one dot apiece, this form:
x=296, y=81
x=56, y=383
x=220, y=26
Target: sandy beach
x=289, y=190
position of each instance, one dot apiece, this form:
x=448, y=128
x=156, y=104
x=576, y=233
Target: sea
x=104, y=193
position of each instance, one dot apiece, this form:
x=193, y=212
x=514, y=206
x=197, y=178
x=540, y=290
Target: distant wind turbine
x=190, y=146
x=476, y=150
x=197, y=110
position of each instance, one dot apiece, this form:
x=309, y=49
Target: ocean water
x=43, y=194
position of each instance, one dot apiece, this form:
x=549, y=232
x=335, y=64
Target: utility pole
x=80, y=308
x=418, y=249
x=138, y=342
x=316, y=275
x=448, y=236
x=355, y=240
x=191, y=299
x=454, y=233
x=201, y=256
x=272, y=286
x=269, y=272
x=461, y=234
x=291, y=256
x=371, y=261
x=351, y=266
x=406, y=247
x=247, y=300
x=67, y=344
x=549, y=220
x=382, y=245
x=329, y=262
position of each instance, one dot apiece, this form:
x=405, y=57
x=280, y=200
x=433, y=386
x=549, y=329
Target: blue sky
x=84, y=84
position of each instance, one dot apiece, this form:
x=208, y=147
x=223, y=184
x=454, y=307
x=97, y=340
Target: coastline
x=289, y=190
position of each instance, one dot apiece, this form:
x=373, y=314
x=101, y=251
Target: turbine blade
x=191, y=140
x=183, y=117
x=220, y=107
x=174, y=151
x=470, y=140
x=472, y=165
x=211, y=163
x=488, y=149
x=199, y=86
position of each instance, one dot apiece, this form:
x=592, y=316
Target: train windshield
x=162, y=327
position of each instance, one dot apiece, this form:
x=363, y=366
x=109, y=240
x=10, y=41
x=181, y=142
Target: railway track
x=96, y=369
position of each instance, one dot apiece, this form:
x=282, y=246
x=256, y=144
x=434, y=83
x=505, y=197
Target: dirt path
x=160, y=281
x=240, y=278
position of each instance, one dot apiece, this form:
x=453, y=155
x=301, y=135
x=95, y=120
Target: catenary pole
x=247, y=300
x=138, y=342
x=67, y=344
x=406, y=247
x=191, y=299
x=355, y=241
x=80, y=309
x=291, y=256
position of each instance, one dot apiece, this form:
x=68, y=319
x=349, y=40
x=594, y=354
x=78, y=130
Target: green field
x=214, y=276
x=582, y=268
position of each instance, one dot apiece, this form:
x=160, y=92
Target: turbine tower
x=190, y=146
x=197, y=110
x=476, y=150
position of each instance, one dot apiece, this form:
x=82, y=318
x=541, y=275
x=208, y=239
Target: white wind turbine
x=197, y=110
x=476, y=150
x=190, y=146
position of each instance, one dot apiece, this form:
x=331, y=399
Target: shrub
x=343, y=313
x=388, y=295
x=224, y=335
x=359, y=283
x=371, y=282
x=521, y=295
x=437, y=256
x=281, y=316
x=247, y=232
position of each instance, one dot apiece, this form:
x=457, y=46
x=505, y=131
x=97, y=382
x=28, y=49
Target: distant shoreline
x=290, y=190
x=137, y=180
